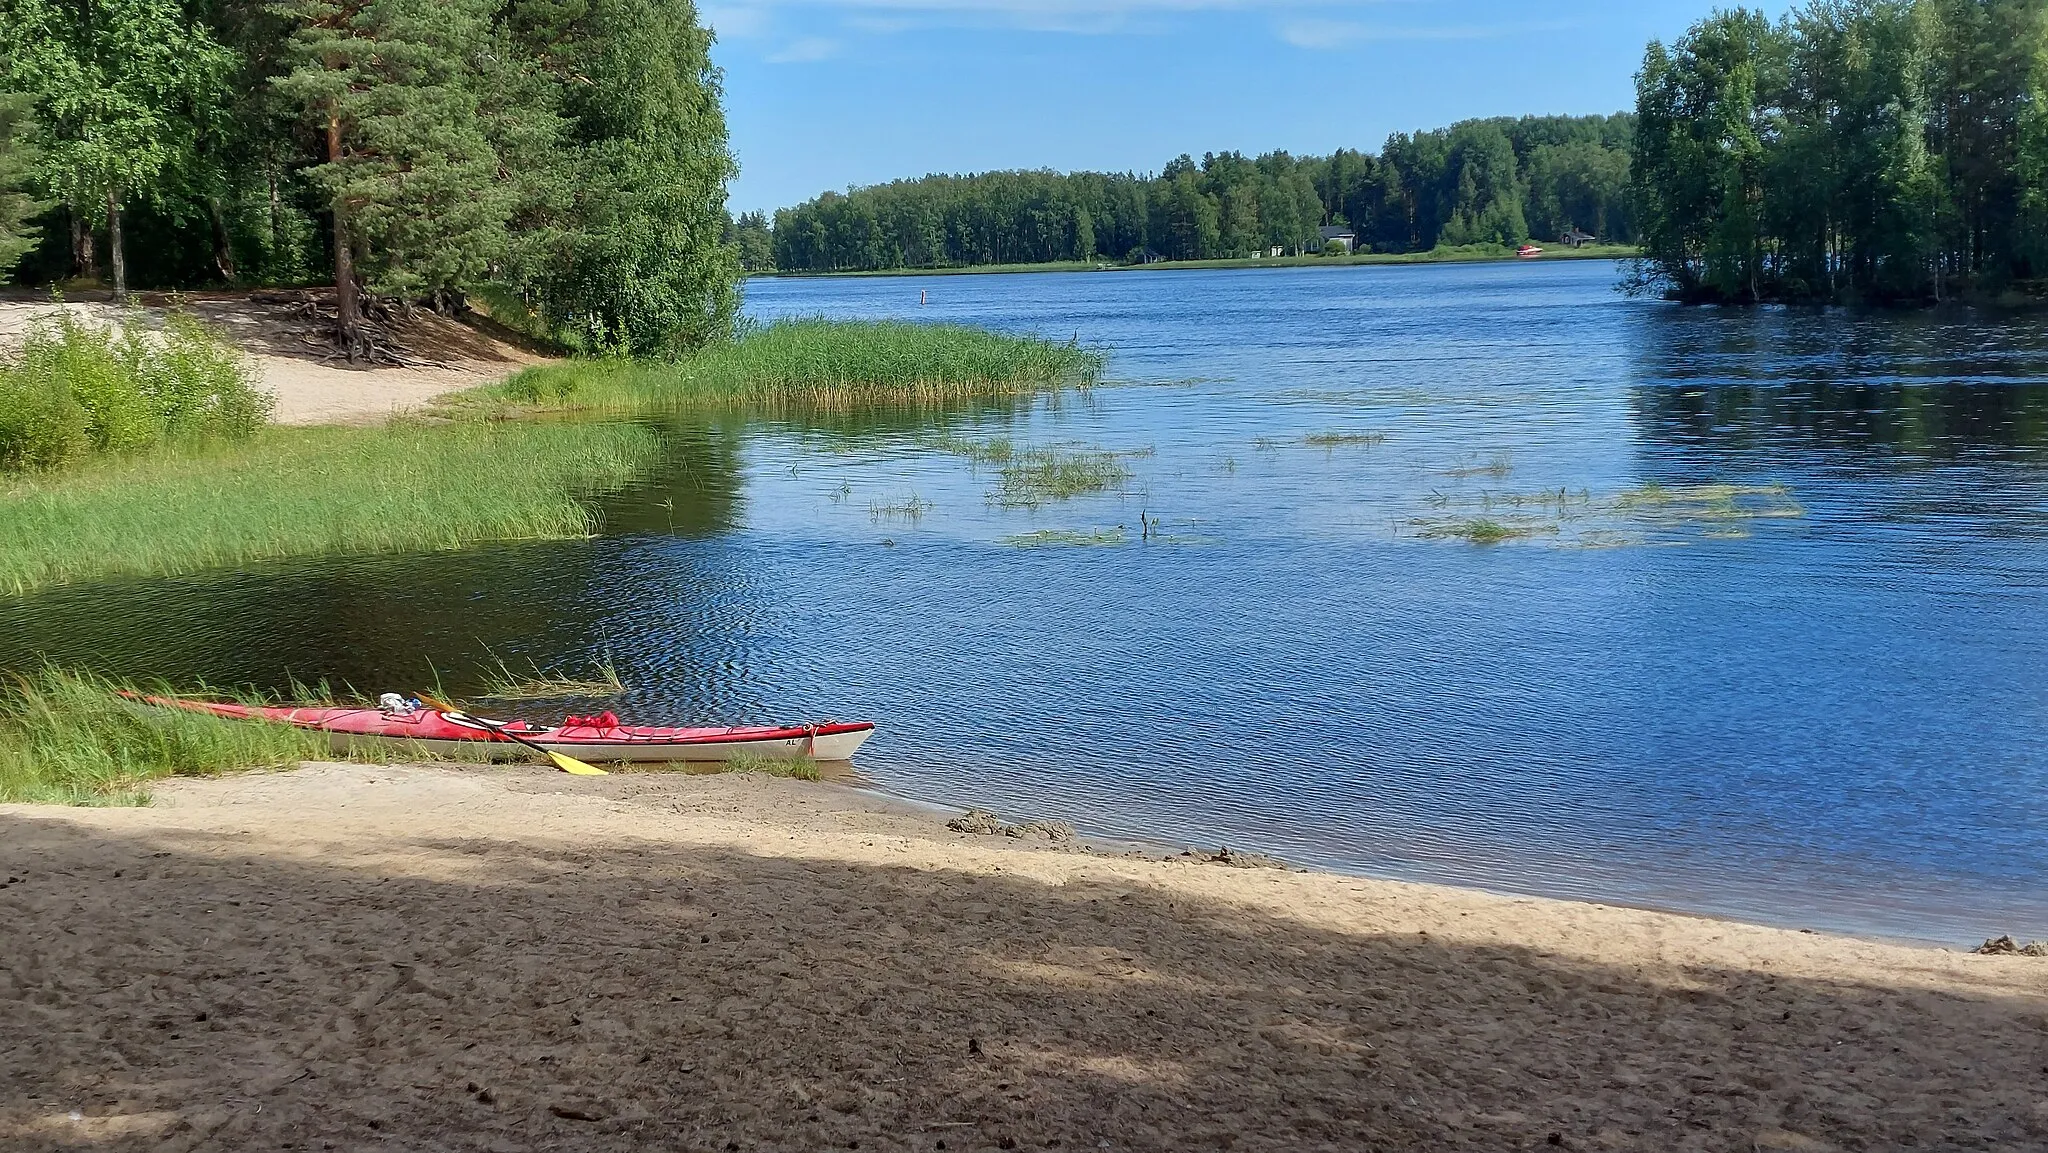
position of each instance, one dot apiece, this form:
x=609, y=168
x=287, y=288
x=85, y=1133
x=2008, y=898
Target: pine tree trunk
x=85, y=264
x=348, y=305
x=115, y=255
x=223, y=249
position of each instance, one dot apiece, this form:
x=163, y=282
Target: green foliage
x=18, y=159
x=73, y=389
x=755, y=242
x=313, y=491
x=1484, y=181
x=70, y=738
x=122, y=90
x=573, y=153
x=628, y=251
x=1891, y=150
x=812, y=362
x=408, y=163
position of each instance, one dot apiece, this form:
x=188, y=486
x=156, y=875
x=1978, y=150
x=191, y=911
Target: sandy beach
x=311, y=385
x=355, y=957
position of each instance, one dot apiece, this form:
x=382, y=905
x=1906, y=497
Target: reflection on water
x=1829, y=715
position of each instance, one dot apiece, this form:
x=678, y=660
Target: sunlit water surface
x=1808, y=696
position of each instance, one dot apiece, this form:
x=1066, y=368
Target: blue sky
x=828, y=93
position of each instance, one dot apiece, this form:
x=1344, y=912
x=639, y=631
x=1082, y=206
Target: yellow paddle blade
x=569, y=764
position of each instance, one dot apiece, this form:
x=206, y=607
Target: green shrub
x=42, y=426
x=74, y=388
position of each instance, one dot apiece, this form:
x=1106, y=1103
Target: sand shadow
x=180, y=992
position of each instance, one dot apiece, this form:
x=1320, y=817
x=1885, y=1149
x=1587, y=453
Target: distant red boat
x=600, y=738
x=1528, y=250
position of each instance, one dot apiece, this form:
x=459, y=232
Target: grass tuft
x=799, y=767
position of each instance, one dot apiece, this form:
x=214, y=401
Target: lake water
x=1796, y=679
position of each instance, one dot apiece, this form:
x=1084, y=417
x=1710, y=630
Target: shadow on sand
x=177, y=992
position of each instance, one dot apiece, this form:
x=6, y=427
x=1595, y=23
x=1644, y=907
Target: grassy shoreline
x=473, y=473
x=1590, y=252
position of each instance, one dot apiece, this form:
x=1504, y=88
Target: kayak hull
x=833, y=747
x=456, y=735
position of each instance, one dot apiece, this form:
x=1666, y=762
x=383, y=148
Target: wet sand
x=353, y=957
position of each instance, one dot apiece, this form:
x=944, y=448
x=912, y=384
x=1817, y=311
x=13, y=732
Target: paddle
x=563, y=761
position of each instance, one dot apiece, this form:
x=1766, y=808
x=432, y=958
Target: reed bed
x=71, y=738
x=808, y=364
x=303, y=492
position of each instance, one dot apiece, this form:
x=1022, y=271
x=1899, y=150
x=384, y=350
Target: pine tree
x=412, y=180
x=17, y=175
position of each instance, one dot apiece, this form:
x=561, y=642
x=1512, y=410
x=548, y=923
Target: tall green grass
x=809, y=363
x=311, y=491
x=73, y=390
x=71, y=739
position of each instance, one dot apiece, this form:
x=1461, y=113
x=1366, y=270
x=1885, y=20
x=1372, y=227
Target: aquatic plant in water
x=1647, y=514
x=1067, y=537
x=1481, y=530
x=1500, y=464
x=501, y=682
x=1342, y=439
x=1036, y=476
x=912, y=509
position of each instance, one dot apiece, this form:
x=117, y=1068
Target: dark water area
x=1796, y=679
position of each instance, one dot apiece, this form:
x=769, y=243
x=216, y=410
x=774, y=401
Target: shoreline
x=476, y=959
x=1164, y=847
x=1601, y=252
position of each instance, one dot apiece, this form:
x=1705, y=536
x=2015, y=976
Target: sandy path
x=309, y=389
x=399, y=958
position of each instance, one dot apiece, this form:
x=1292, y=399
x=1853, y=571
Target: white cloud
x=808, y=50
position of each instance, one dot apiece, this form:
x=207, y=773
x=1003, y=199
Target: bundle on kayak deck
x=599, y=738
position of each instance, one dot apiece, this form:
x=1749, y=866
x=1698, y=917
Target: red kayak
x=599, y=738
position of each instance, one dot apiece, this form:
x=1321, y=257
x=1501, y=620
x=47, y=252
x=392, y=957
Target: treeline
x=1492, y=182
x=1868, y=150
x=573, y=153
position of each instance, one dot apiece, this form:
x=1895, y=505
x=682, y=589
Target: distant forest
x=1891, y=151
x=1491, y=182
